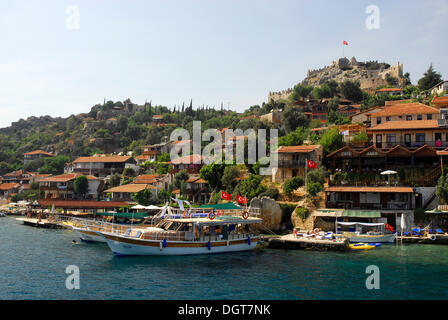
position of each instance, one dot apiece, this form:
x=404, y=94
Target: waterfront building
x=8, y=189
x=103, y=165
x=403, y=112
x=292, y=161
x=62, y=187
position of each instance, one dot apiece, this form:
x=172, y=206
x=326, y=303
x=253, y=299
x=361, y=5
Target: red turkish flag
x=225, y=196
x=241, y=199
x=345, y=43
x=311, y=164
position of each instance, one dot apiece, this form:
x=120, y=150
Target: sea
x=36, y=264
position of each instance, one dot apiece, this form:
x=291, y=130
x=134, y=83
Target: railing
x=412, y=144
x=291, y=163
x=392, y=205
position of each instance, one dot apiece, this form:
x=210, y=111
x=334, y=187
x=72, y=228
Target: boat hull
x=88, y=236
x=124, y=246
x=387, y=238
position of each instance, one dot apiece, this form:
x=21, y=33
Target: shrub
x=302, y=213
x=314, y=188
x=271, y=193
x=292, y=184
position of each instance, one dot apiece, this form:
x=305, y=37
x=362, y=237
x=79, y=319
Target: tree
x=5, y=168
x=81, y=185
x=114, y=180
x=429, y=79
x=331, y=140
x=213, y=173
x=270, y=193
x=229, y=178
x=300, y=92
x=323, y=91
x=250, y=187
x=442, y=188
x=54, y=165
x=292, y=184
x=292, y=118
x=294, y=138
x=351, y=90
x=314, y=188
x=407, y=77
x=144, y=197
x=180, y=178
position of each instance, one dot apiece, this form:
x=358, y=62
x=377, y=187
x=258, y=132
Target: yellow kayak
x=361, y=246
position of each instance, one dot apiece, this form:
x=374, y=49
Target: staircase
x=431, y=178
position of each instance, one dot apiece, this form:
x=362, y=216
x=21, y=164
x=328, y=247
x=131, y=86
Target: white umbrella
x=138, y=207
x=151, y=207
x=388, y=173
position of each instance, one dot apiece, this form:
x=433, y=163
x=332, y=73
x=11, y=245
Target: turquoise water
x=33, y=263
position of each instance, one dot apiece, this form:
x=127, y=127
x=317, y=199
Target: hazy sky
x=212, y=51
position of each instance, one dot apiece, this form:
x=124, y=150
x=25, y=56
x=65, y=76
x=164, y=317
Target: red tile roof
x=389, y=90
x=406, y=125
x=102, y=159
x=9, y=186
x=405, y=108
x=440, y=100
x=67, y=177
x=129, y=188
x=39, y=152
x=191, y=159
x=298, y=149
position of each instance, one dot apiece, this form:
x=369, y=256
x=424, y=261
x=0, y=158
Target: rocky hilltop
x=370, y=74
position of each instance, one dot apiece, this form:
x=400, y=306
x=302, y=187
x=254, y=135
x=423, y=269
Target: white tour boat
x=214, y=233
x=375, y=234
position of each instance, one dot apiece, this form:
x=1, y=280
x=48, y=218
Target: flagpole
x=306, y=171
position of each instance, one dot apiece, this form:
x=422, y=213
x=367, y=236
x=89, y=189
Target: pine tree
x=430, y=79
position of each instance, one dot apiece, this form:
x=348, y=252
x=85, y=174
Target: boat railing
x=204, y=212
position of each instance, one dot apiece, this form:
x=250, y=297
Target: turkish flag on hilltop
x=311, y=164
x=225, y=196
x=345, y=43
x=241, y=199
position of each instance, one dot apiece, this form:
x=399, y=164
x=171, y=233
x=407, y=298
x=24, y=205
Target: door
x=379, y=141
x=438, y=139
x=407, y=140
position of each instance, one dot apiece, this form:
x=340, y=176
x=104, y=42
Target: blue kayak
x=375, y=244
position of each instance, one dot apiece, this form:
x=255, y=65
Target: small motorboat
x=361, y=246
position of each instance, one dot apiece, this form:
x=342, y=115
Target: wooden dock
x=431, y=239
x=43, y=223
x=296, y=243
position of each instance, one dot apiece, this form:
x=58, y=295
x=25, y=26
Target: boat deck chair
x=138, y=234
x=128, y=232
x=440, y=231
x=407, y=233
x=416, y=232
x=328, y=236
